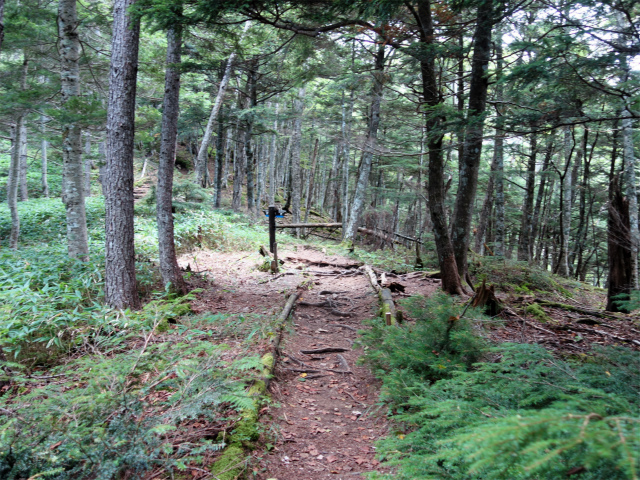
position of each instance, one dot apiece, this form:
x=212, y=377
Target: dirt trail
x=324, y=419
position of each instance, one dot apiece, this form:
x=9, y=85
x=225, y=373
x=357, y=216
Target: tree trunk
x=12, y=183
x=169, y=269
x=249, y=150
x=220, y=161
x=434, y=121
x=73, y=193
x=45, y=161
x=347, y=114
x=527, y=204
x=565, y=209
x=485, y=213
x=88, y=164
x=23, y=193
x=498, y=156
x=619, y=238
x=120, y=275
x=296, y=174
x=314, y=157
x=359, y=196
x=272, y=160
x=238, y=174
x=543, y=180
x=203, y=152
x=470, y=162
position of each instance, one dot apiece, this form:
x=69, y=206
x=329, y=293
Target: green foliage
x=50, y=302
x=440, y=342
x=43, y=220
x=522, y=415
x=521, y=277
x=110, y=415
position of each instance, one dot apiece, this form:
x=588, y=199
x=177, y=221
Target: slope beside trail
x=324, y=417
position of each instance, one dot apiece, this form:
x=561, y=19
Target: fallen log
x=269, y=359
x=384, y=294
x=571, y=308
x=325, y=350
x=319, y=263
x=309, y=225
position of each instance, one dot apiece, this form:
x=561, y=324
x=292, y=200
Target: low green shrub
x=43, y=220
x=522, y=415
x=521, y=277
x=116, y=417
x=437, y=344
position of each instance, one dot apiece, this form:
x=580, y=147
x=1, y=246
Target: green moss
x=265, y=266
x=268, y=361
x=162, y=326
x=231, y=463
x=537, y=312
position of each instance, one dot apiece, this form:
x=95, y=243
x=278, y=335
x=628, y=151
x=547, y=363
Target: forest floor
x=324, y=418
x=325, y=415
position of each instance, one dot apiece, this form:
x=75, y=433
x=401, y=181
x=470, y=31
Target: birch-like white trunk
x=74, y=184
x=201, y=160
x=347, y=114
x=23, y=192
x=360, y=193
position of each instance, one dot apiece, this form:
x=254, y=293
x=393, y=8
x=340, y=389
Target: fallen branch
x=325, y=350
x=343, y=326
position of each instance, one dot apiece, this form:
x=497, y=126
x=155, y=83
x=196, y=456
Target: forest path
x=323, y=422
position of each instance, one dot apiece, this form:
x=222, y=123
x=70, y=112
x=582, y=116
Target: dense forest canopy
x=496, y=126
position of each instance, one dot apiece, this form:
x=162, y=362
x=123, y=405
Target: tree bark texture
x=169, y=269
x=619, y=239
x=470, y=162
x=359, y=196
x=120, y=276
x=434, y=121
x=220, y=160
x=73, y=194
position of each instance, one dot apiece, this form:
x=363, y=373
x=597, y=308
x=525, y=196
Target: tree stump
x=486, y=297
